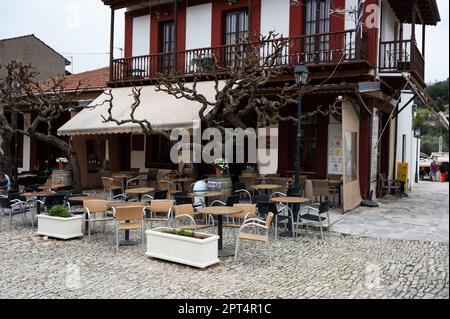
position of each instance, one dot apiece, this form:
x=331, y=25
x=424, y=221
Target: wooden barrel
x=221, y=184
x=61, y=177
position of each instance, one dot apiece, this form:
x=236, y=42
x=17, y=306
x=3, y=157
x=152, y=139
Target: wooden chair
x=164, y=206
x=320, y=188
x=170, y=187
x=248, y=211
x=262, y=236
x=129, y=218
x=186, y=212
x=110, y=185
x=387, y=185
x=92, y=207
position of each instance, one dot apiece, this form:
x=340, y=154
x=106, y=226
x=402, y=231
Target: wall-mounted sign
x=335, y=159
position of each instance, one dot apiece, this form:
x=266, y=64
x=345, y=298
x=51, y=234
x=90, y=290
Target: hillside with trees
x=431, y=127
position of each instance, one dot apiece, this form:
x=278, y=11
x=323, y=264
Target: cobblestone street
x=339, y=267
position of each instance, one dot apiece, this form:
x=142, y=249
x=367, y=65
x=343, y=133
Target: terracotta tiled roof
x=90, y=80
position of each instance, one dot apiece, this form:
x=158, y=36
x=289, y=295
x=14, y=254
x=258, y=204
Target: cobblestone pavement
x=423, y=215
x=338, y=267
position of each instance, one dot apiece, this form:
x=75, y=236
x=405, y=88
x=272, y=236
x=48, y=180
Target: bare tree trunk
x=6, y=158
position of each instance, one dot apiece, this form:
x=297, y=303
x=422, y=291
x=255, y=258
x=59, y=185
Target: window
x=167, y=45
x=95, y=152
x=317, y=21
x=236, y=28
x=158, y=152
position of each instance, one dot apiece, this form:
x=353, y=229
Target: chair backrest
x=269, y=220
x=166, y=185
x=247, y=209
x=5, y=203
x=320, y=187
x=260, y=198
x=106, y=183
x=12, y=196
x=185, y=209
x=95, y=205
x=232, y=199
x=324, y=207
x=161, y=205
x=54, y=200
x=115, y=183
x=127, y=213
x=181, y=200
x=265, y=208
x=160, y=195
x=249, y=174
x=239, y=186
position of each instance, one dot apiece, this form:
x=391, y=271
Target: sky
x=79, y=30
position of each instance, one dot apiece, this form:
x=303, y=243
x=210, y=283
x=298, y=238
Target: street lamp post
x=301, y=76
x=15, y=124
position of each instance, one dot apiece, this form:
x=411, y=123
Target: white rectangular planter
x=58, y=227
x=190, y=251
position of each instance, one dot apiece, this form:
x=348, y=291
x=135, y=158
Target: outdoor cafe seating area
x=258, y=208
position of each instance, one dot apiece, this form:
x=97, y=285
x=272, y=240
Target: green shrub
x=184, y=233
x=59, y=211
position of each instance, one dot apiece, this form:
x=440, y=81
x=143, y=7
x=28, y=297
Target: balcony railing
x=401, y=56
x=325, y=48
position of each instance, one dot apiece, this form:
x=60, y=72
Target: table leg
x=222, y=252
x=291, y=233
x=127, y=241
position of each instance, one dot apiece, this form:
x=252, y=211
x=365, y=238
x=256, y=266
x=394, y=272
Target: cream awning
x=164, y=111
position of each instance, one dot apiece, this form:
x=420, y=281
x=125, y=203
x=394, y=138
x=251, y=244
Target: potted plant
x=62, y=162
x=58, y=222
x=220, y=165
x=181, y=246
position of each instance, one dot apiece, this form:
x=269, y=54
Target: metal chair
x=231, y=200
x=93, y=207
x=157, y=195
x=240, y=188
x=186, y=212
x=266, y=207
x=314, y=214
x=13, y=204
x=160, y=206
x=110, y=184
x=263, y=236
x=129, y=218
x=53, y=200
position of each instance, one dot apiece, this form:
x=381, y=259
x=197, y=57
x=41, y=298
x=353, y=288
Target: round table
x=127, y=241
x=290, y=200
x=38, y=195
x=48, y=187
x=219, y=211
x=139, y=191
x=268, y=187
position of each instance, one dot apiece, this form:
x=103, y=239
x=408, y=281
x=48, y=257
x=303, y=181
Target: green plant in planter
x=184, y=233
x=59, y=211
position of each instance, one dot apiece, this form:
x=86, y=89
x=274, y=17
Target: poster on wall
x=335, y=160
x=351, y=156
x=374, y=158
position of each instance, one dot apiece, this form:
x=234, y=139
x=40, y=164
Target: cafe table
x=268, y=187
x=290, y=200
x=139, y=191
x=113, y=204
x=38, y=195
x=220, y=211
x=183, y=181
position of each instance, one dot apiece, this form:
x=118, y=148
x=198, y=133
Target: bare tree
x=239, y=95
x=47, y=100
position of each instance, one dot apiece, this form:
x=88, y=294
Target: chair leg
x=10, y=220
x=276, y=227
x=321, y=230
x=236, y=249
x=268, y=251
x=117, y=238
x=89, y=230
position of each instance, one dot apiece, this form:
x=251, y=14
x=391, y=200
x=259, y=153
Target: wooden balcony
x=402, y=56
x=327, y=49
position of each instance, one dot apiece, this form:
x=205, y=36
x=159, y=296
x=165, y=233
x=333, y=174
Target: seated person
x=5, y=182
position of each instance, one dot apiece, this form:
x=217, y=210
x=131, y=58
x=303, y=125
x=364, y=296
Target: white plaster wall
x=141, y=35
x=275, y=16
x=198, y=26
x=405, y=128
x=388, y=23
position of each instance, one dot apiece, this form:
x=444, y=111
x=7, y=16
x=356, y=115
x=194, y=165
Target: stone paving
x=340, y=266
x=423, y=215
